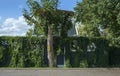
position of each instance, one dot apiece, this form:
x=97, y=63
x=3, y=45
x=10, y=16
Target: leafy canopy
x=45, y=13
x=105, y=13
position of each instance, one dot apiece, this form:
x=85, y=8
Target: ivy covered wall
x=75, y=51
x=21, y=52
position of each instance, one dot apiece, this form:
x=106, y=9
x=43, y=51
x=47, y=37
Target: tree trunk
x=51, y=56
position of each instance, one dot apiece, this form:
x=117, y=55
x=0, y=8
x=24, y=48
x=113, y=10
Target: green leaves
x=1, y=52
x=45, y=13
x=88, y=30
x=103, y=12
x=49, y=4
x=41, y=14
x=118, y=18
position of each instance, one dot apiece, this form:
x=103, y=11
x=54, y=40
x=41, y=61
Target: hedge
x=78, y=52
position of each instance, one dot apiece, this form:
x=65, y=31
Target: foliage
x=25, y=52
x=21, y=51
x=103, y=13
x=1, y=52
x=88, y=30
x=67, y=64
x=45, y=13
x=83, y=64
x=81, y=57
x=101, y=51
x=47, y=19
x=114, y=56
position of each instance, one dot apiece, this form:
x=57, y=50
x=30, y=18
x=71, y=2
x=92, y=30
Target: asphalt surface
x=60, y=72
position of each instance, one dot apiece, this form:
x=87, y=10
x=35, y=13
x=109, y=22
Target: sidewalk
x=60, y=72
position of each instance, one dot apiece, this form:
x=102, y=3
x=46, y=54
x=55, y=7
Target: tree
x=45, y=16
x=88, y=30
x=104, y=13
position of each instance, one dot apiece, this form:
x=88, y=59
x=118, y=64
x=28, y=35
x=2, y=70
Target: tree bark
x=51, y=56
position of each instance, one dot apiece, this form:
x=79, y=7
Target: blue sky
x=11, y=19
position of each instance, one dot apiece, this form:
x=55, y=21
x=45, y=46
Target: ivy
x=79, y=52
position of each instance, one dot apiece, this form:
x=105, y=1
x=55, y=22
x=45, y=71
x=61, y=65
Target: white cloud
x=14, y=27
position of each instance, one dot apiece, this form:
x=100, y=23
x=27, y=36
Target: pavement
x=60, y=72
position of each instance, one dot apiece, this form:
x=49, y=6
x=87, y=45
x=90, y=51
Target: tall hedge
x=21, y=51
x=32, y=52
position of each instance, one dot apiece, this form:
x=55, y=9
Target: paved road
x=60, y=72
